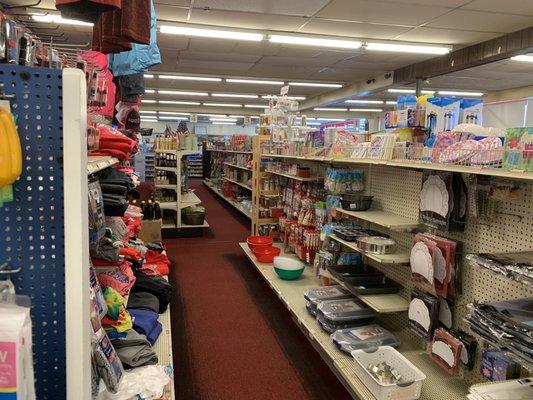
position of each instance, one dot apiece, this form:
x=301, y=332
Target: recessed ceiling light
x=314, y=41
x=366, y=109
x=191, y=78
x=459, y=93
x=148, y=101
x=182, y=93
x=274, y=96
x=185, y=103
x=409, y=91
x=316, y=84
x=364, y=101
x=172, y=113
x=57, y=19
x=255, y=82
x=222, y=105
x=407, y=48
x=330, y=109
x=147, y=112
x=224, y=123
x=236, y=95
x=391, y=103
x=211, y=33
x=148, y=76
x=256, y=105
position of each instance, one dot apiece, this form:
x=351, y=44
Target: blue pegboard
x=32, y=226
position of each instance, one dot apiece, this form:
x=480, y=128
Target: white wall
x=221, y=130
x=508, y=113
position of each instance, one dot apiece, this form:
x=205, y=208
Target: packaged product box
x=518, y=149
x=151, y=231
x=471, y=112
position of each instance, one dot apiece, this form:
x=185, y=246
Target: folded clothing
x=156, y=263
x=121, y=279
x=143, y=301
x=122, y=324
x=134, y=350
x=146, y=322
x=156, y=285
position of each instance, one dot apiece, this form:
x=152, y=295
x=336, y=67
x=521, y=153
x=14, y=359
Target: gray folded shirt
x=134, y=350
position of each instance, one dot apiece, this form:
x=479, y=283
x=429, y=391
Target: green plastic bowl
x=289, y=275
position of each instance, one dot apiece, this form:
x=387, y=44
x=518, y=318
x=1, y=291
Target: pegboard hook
x=4, y=96
x=5, y=270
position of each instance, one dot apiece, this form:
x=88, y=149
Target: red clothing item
x=130, y=253
x=86, y=10
x=156, y=263
x=118, y=29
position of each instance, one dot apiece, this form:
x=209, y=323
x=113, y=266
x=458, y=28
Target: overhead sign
x=247, y=120
x=284, y=90
x=193, y=118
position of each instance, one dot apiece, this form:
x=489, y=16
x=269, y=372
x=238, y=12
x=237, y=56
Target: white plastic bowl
x=287, y=263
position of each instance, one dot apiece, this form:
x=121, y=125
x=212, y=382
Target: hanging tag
x=6, y=105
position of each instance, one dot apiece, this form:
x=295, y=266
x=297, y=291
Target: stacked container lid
x=343, y=313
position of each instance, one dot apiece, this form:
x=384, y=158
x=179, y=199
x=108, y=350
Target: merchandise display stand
x=182, y=200
x=229, y=200
x=437, y=386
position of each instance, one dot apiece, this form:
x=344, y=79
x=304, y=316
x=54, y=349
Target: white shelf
x=488, y=171
x=98, y=163
x=163, y=349
x=238, y=183
x=438, y=384
x=179, y=152
x=236, y=166
x=400, y=257
x=383, y=218
x=171, y=205
x=189, y=199
x=170, y=169
x=185, y=226
x=297, y=178
x=230, y=201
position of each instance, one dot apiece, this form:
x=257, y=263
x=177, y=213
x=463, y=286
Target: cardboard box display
x=151, y=231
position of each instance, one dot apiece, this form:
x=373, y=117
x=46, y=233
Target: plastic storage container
x=322, y=293
x=408, y=390
x=364, y=337
x=340, y=314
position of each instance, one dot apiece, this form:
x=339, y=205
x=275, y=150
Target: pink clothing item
x=122, y=279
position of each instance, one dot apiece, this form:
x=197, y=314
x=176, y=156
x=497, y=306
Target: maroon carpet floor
x=232, y=337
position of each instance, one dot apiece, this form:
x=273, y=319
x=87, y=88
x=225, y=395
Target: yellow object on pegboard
x=10, y=156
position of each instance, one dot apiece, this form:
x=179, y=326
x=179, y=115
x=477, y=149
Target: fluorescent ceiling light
x=148, y=118
x=366, y=109
x=331, y=119
x=150, y=91
x=148, y=76
x=256, y=105
x=223, y=119
x=330, y=109
x=222, y=105
x=523, y=57
x=172, y=113
x=147, y=112
x=314, y=123
x=173, y=119
x=224, y=123
x=256, y=82
x=459, y=93
x=313, y=41
x=211, y=33
x=211, y=115
x=237, y=116
x=407, y=48
x=316, y=84
x=185, y=103
x=148, y=101
x=57, y=19
x=183, y=93
x=364, y=101
x=236, y=95
x=274, y=96
x=391, y=103
x=409, y=91
x=190, y=78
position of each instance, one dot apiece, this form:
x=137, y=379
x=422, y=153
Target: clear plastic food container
x=363, y=337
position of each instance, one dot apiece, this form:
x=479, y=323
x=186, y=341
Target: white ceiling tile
x=294, y=7
x=171, y=13
x=378, y=11
x=296, y=61
x=172, y=42
x=352, y=29
x=288, y=72
x=446, y=36
x=211, y=45
x=223, y=67
x=181, y=3
x=247, y=20
x=481, y=21
x=440, y=3
x=209, y=56
x=522, y=7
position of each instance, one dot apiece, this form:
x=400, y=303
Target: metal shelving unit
x=229, y=200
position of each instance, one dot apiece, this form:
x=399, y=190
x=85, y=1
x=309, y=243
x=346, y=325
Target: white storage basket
x=408, y=391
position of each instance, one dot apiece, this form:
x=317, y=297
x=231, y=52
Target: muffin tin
x=361, y=280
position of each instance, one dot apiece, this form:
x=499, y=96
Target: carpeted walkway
x=233, y=339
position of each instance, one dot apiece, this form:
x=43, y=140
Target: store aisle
x=233, y=339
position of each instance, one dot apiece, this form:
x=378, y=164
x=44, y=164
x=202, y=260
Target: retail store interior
x=256, y=200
